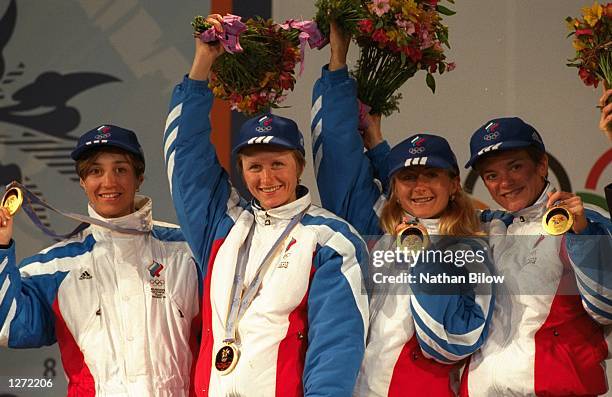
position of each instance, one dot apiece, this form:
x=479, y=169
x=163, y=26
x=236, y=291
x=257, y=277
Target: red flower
x=380, y=36
x=366, y=25
x=607, y=10
x=584, y=32
x=588, y=78
x=414, y=54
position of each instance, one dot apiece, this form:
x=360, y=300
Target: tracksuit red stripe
x=80, y=380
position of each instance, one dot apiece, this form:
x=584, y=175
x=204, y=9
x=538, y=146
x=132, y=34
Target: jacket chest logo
x=287, y=254
x=157, y=283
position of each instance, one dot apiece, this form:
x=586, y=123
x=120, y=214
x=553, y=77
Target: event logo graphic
x=40, y=113
x=265, y=124
x=416, y=145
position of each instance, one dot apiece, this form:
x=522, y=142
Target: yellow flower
x=573, y=24
x=393, y=35
x=578, y=45
x=409, y=8
x=592, y=14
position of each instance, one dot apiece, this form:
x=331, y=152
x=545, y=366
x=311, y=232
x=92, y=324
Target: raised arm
x=337, y=315
x=26, y=314
x=205, y=203
x=344, y=175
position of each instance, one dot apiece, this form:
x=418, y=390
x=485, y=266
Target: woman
x=548, y=332
x=414, y=337
x=120, y=306
x=284, y=313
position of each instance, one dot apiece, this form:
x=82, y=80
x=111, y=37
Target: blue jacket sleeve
x=344, y=175
x=26, y=314
x=337, y=319
x=590, y=255
x=452, y=316
x=205, y=203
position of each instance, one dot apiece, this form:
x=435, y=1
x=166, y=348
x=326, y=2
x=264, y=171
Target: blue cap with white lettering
x=422, y=149
x=108, y=135
x=270, y=129
x=503, y=134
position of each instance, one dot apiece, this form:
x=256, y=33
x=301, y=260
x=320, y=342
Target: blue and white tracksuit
x=406, y=331
x=120, y=306
x=546, y=335
x=304, y=333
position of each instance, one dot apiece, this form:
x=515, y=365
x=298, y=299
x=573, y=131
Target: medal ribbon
x=242, y=299
x=30, y=198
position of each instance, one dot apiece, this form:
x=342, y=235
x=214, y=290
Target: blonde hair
x=459, y=218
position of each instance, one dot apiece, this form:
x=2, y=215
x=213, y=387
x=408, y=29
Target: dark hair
x=84, y=163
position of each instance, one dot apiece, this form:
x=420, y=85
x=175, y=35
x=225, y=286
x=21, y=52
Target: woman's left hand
x=573, y=204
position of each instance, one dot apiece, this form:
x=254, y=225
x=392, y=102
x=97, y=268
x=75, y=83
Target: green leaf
x=445, y=11
x=403, y=57
x=431, y=82
x=442, y=67
x=451, y=1
x=379, y=24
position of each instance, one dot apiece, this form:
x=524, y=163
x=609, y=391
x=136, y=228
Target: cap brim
x=276, y=142
x=507, y=145
x=432, y=161
x=80, y=151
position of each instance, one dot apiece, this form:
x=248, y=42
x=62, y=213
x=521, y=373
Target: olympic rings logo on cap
x=416, y=150
x=263, y=129
x=491, y=136
x=103, y=136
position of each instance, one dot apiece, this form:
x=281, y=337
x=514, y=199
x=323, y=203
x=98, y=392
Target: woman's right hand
x=339, y=42
x=6, y=226
x=605, y=120
x=372, y=134
x=206, y=53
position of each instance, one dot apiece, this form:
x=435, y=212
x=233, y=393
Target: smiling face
x=424, y=192
x=271, y=174
x=514, y=179
x=110, y=183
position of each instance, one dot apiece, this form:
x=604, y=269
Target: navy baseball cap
x=108, y=135
x=422, y=149
x=270, y=129
x=503, y=134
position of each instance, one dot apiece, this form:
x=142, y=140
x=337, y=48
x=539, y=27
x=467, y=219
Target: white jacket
x=544, y=338
x=122, y=322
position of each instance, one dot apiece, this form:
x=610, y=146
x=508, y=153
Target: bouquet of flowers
x=593, y=44
x=258, y=65
x=397, y=38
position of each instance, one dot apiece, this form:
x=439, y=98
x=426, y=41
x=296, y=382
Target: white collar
x=284, y=212
x=141, y=219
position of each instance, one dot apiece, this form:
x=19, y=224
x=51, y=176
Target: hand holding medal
x=11, y=202
x=565, y=212
x=12, y=199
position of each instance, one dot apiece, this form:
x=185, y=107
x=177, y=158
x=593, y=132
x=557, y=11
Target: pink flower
x=450, y=66
x=426, y=39
x=407, y=26
x=380, y=7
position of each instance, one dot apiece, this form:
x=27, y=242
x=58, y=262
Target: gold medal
x=412, y=236
x=557, y=220
x=227, y=358
x=12, y=200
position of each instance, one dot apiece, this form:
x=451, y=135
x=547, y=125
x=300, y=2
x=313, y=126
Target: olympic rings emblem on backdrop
x=416, y=150
x=491, y=136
